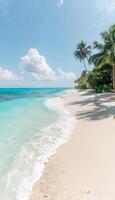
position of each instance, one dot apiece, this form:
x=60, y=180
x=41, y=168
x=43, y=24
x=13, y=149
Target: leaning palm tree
x=107, y=53
x=82, y=53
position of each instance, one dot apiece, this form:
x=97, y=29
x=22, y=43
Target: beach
x=57, y=100
x=33, y=124
x=84, y=167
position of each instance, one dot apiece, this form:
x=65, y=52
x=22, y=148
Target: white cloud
x=60, y=3
x=105, y=5
x=35, y=66
x=66, y=75
x=7, y=75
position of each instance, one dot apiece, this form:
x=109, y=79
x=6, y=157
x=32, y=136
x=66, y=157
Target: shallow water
x=32, y=125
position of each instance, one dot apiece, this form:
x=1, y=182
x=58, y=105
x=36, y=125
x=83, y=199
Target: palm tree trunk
x=84, y=65
x=114, y=77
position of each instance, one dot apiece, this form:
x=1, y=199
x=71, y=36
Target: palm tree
x=97, y=45
x=107, y=53
x=82, y=52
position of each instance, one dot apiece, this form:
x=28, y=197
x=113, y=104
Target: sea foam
x=29, y=164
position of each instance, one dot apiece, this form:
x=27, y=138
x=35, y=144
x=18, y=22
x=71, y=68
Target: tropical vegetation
x=102, y=56
x=83, y=53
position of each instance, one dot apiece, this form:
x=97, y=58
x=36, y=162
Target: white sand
x=84, y=168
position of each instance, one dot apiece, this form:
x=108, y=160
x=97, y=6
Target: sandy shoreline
x=84, y=168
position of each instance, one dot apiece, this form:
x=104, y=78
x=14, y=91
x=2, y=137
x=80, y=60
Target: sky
x=38, y=38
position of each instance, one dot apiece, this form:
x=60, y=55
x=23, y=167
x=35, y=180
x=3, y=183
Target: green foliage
x=98, y=79
x=107, y=53
x=102, y=56
x=82, y=82
x=103, y=88
x=82, y=52
x=101, y=77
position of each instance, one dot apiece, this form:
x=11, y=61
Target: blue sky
x=38, y=37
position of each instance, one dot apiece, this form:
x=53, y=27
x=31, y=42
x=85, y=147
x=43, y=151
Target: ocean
x=33, y=123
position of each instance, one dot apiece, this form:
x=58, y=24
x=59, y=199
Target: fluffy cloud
x=105, y=5
x=7, y=75
x=66, y=75
x=60, y=3
x=35, y=66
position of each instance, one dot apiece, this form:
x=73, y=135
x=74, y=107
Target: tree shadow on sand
x=100, y=106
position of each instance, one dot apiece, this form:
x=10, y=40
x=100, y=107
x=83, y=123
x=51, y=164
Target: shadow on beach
x=96, y=106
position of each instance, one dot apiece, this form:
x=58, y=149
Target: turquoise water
x=28, y=134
